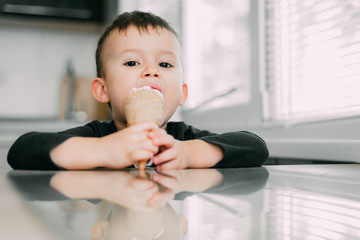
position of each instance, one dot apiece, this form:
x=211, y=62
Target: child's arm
x=93, y=145
x=227, y=150
x=200, y=154
x=117, y=150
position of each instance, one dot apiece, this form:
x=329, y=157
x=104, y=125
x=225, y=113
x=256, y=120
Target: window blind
x=312, y=59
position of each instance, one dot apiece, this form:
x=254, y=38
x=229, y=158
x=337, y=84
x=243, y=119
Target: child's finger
x=156, y=132
x=146, y=144
x=169, y=165
x=165, y=156
x=166, y=166
x=139, y=155
x=145, y=126
x=167, y=141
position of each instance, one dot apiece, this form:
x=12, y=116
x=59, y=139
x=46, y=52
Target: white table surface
x=273, y=202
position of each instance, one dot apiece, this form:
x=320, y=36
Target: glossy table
x=272, y=202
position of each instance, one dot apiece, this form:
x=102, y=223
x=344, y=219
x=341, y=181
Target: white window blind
x=312, y=59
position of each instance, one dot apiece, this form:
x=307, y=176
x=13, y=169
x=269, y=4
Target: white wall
x=33, y=62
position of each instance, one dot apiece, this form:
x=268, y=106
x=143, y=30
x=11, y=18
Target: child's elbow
x=261, y=153
x=13, y=157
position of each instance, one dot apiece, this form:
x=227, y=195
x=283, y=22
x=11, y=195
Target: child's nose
x=151, y=75
x=150, y=72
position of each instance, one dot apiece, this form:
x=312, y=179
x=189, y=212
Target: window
x=217, y=52
x=312, y=59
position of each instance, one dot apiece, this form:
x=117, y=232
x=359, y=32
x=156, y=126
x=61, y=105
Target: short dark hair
x=141, y=20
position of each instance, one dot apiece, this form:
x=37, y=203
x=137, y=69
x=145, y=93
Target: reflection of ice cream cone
x=141, y=105
x=145, y=225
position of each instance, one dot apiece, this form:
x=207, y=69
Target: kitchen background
x=284, y=69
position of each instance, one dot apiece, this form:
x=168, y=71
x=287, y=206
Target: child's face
x=135, y=59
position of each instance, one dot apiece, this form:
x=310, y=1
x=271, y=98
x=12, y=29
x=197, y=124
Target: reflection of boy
x=138, y=49
x=162, y=223
x=131, y=200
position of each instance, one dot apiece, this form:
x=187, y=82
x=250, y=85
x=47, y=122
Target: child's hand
x=129, y=146
x=169, y=151
x=174, y=154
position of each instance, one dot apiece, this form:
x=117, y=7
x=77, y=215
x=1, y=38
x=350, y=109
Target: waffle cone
x=141, y=106
x=144, y=105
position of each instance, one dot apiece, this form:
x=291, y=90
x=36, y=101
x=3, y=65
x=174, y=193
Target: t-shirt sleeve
x=31, y=151
x=241, y=148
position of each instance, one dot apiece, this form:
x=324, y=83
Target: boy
x=138, y=49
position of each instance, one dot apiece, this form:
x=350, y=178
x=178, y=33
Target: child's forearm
x=200, y=154
x=78, y=153
x=88, y=153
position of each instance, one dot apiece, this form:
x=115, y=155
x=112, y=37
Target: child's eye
x=165, y=65
x=131, y=63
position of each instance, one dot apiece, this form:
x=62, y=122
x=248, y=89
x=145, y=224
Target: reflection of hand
x=130, y=191
x=119, y=187
x=193, y=180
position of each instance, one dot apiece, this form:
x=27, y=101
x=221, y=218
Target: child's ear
x=99, y=90
x=99, y=229
x=184, y=94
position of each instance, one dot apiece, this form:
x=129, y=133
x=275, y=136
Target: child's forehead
x=133, y=36
x=156, y=41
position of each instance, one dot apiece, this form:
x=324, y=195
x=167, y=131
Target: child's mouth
x=152, y=87
x=155, y=87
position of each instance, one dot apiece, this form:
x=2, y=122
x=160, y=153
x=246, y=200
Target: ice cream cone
x=142, y=105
